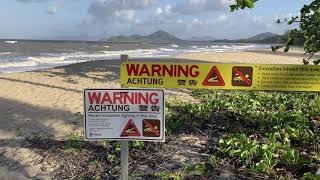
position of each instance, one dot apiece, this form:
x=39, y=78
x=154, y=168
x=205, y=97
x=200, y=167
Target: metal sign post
x=124, y=114
x=124, y=155
x=124, y=160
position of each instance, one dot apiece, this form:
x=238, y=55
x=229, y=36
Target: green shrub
x=74, y=141
x=264, y=130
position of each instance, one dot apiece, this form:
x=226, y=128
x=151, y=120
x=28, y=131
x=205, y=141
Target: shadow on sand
x=28, y=120
x=21, y=121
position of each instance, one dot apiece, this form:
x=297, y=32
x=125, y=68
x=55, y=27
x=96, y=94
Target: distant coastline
x=165, y=37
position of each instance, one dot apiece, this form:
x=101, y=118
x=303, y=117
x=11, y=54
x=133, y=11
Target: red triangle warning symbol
x=214, y=78
x=130, y=129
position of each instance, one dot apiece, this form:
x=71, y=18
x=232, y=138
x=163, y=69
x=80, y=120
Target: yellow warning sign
x=221, y=76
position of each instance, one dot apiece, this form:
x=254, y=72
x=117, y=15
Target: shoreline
x=14, y=59
x=258, y=56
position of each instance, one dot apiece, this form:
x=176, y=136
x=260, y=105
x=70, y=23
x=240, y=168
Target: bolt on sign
x=124, y=114
x=221, y=76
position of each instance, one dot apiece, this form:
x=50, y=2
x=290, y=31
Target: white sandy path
x=48, y=103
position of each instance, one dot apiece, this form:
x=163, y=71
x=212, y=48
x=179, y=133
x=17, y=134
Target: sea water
x=28, y=55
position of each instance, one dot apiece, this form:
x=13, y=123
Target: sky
x=100, y=19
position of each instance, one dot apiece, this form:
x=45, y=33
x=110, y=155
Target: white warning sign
x=124, y=114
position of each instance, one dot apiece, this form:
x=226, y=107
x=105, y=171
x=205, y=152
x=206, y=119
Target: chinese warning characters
x=124, y=114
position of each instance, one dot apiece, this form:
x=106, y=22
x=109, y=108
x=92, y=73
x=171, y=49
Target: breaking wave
x=9, y=62
x=11, y=42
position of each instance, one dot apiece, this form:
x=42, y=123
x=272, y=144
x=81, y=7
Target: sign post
x=124, y=155
x=124, y=115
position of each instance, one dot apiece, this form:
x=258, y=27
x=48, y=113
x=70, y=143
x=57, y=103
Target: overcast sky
x=96, y=19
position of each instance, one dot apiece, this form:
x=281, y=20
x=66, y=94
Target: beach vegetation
x=105, y=144
x=111, y=157
x=74, y=141
x=136, y=144
x=117, y=147
x=267, y=133
x=198, y=170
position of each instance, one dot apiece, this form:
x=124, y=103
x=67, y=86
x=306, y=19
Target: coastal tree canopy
x=309, y=27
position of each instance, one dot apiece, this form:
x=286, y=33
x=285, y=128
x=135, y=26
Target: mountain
x=264, y=38
x=162, y=36
x=202, y=38
x=159, y=36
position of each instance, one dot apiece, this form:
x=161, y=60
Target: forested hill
x=159, y=36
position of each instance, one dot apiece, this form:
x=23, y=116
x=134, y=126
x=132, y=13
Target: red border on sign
x=214, y=70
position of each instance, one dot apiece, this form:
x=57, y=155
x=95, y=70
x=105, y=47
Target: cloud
x=164, y=11
x=113, y=17
x=199, y=6
x=222, y=18
x=106, y=10
x=52, y=10
x=184, y=18
x=32, y=1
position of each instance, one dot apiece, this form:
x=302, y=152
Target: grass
x=74, y=141
x=269, y=133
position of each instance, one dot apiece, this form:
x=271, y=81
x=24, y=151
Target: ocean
x=28, y=55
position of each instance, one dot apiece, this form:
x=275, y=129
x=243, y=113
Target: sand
x=48, y=103
x=264, y=56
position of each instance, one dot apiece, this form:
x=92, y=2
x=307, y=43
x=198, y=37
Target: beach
x=48, y=103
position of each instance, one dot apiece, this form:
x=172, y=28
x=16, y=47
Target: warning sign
x=214, y=78
x=130, y=130
x=221, y=76
x=124, y=114
x=151, y=128
x=242, y=76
